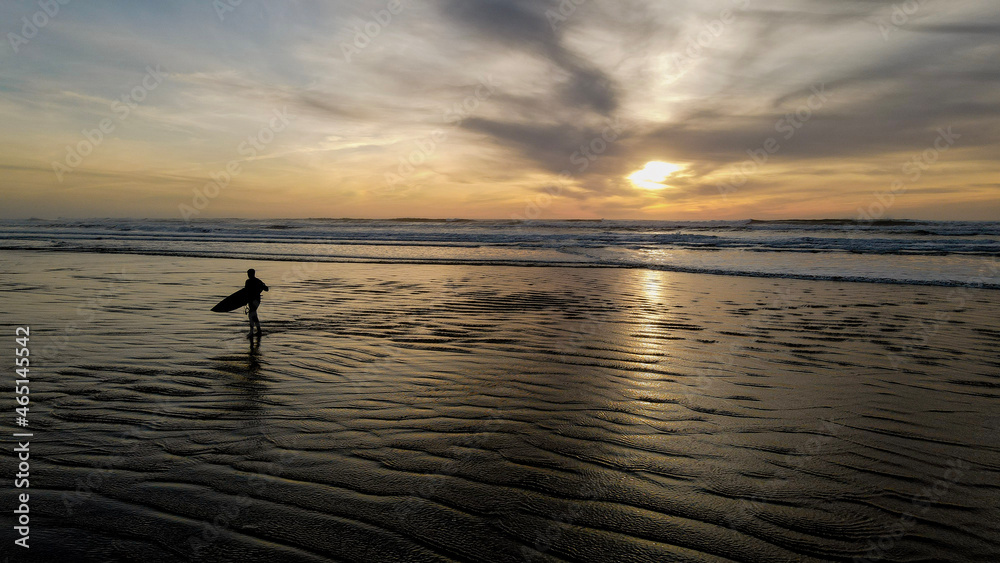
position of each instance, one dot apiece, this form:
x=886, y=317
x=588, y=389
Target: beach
x=547, y=282
x=401, y=412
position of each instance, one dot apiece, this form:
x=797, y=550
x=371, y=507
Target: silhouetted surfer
x=254, y=286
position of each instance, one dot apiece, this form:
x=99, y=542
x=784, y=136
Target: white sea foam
x=919, y=252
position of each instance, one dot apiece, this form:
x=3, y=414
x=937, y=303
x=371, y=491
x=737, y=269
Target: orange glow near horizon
x=487, y=113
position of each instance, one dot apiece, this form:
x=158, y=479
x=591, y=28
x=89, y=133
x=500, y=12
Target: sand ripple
x=401, y=413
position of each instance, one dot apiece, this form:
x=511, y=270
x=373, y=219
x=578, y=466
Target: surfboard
x=233, y=302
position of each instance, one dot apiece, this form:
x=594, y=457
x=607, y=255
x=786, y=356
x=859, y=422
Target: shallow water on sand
x=464, y=413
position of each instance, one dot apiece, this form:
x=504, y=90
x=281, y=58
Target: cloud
x=559, y=81
x=527, y=25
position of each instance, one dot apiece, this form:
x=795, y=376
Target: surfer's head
x=250, y=273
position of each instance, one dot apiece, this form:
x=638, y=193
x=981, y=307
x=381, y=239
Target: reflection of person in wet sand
x=254, y=286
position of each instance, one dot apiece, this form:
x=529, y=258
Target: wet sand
x=473, y=413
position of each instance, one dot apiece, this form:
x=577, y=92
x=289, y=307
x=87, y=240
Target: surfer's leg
x=254, y=320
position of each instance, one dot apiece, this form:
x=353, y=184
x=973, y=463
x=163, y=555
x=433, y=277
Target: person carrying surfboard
x=254, y=287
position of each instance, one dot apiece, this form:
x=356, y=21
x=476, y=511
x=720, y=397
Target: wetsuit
x=255, y=287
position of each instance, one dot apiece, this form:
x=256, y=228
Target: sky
x=536, y=109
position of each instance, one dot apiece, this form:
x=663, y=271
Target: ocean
x=887, y=251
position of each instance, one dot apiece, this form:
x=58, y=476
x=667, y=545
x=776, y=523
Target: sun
x=652, y=176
